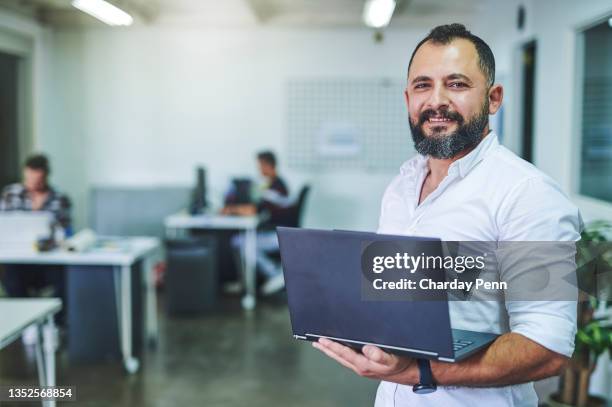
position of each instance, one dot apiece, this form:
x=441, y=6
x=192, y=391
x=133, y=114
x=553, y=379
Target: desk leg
x=152, y=330
x=123, y=295
x=46, y=345
x=40, y=360
x=250, y=257
x=49, y=334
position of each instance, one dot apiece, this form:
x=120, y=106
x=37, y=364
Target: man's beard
x=467, y=135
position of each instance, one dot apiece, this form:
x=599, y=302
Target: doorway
x=9, y=119
x=528, y=67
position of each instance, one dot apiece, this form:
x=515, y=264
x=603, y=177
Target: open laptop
x=322, y=271
x=20, y=230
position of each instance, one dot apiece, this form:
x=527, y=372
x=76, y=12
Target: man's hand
x=373, y=362
x=240, y=210
x=511, y=359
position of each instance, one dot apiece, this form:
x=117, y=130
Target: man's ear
x=406, y=97
x=496, y=95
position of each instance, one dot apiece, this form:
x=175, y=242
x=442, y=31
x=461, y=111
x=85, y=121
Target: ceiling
x=297, y=13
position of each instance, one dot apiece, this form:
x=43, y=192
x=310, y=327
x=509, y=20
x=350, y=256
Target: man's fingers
x=343, y=351
x=362, y=364
x=346, y=356
x=374, y=362
x=377, y=355
x=337, y=358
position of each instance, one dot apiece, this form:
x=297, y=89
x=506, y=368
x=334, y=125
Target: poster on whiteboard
x=338, y=139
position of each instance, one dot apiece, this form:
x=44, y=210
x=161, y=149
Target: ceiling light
x=377, y=13
x=610, y=22
x=104, y=11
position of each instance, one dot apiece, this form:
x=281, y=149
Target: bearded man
x=465, y=186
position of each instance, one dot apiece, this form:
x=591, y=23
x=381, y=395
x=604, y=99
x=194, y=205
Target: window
x=595, y=178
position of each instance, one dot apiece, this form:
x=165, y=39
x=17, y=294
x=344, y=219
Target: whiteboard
x=339, y=123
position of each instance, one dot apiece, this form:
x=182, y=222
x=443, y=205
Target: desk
x=132, y=250
x=16, y=315
x=246, y=224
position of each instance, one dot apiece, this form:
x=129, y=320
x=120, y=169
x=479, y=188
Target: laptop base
x=465, y=342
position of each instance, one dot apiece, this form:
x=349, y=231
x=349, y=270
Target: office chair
x=295, y=212
x=293, y=216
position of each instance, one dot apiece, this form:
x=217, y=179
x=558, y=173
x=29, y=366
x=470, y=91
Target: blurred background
x=155, y=119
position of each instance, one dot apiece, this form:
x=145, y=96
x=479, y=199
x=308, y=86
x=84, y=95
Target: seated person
x=274, y=199
x=35, y=194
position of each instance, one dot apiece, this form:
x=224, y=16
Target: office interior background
x=126, y=114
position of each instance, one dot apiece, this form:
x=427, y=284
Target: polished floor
x=229, y=358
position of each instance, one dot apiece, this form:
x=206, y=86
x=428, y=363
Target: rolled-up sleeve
x=552, y=324
x=539, y=211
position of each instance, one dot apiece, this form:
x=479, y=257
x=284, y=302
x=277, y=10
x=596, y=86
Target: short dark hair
x=444, y=34
x=267, y=157
x=38, y=162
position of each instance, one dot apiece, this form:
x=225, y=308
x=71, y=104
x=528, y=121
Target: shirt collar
x=465, y=164
x=24, y=192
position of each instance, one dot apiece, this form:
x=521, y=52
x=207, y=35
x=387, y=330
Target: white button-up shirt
x=488, y=195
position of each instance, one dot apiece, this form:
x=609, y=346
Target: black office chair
x=295, y=212
x=292, y=216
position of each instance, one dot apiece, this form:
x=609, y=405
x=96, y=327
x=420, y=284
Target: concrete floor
x=229, y=358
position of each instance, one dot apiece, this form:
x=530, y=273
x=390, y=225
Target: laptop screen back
x=323, y=276
x=21, y=230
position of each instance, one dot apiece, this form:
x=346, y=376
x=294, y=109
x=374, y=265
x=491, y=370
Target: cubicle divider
x=135, y=211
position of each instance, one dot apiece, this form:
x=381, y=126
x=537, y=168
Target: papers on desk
x=80, y=242
x=86, y=241
x=112, y=245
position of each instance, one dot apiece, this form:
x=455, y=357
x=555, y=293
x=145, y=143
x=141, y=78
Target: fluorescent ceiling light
x=104, y=11
x=377, y=13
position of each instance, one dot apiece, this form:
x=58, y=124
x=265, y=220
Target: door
x=9, y=117
x=528, y=61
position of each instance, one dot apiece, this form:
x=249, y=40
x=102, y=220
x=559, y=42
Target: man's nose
x=438, y=98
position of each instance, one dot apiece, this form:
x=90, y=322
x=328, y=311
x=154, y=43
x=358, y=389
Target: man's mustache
x=442, y=113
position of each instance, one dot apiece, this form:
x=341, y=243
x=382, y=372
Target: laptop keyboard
x=459, y=344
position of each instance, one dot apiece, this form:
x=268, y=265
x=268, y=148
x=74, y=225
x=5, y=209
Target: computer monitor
x=198, y=199
x=242, y=191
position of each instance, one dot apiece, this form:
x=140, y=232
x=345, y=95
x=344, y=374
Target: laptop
x=20, y=230
x=323, y=278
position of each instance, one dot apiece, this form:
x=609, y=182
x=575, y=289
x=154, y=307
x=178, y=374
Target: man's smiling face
x=447, y=98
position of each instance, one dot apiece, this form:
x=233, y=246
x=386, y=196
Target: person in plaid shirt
x=35, y=194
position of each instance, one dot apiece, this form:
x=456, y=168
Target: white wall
x=146, y=104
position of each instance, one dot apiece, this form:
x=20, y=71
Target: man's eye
x=420, y=86
x=457, y=85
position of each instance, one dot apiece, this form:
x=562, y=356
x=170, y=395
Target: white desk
x=246, y=224
x=129, y=251
x=16, y=314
